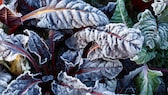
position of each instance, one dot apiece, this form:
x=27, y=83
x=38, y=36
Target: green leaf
x=147, y=24
x=148, y=81
x=144, y=56
x=121, y=15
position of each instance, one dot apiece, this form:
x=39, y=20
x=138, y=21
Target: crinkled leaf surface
x=72, y=58
x=12, y=45
x=163, y=33
x=147, y=24
x=5, y=77
x=26, y=6
x=99, y=69
x=116, y=41
x=69, y=86
x=68, y=14
x=37, y=46
x=159, y=6
x=120, y=14
x=24, y=84
x=9, y=17
x=148, y=81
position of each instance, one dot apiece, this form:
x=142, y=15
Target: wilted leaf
x=147, y=24
x=37, y=46
x=116, y=41
x=9, y=17
x=69, y=86
x=24, y=84
x=120, y=14
x=67, y=14
x=148, y=81
x=99, y=69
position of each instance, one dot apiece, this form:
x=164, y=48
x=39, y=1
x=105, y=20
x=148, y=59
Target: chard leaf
x=144, y=56
x=108, y=86
x=11, y=46
x=69, y=86
x=9, y=17
x=24, y=84
x=115, y=41
x=37, y=46
x=129, y=78
x=159, y=6
x=99, y=69
x=5, y=77
x=163, y=33
x=148, y=81
x=163, y=17
x=72, y=59
x=26, y=6
x=80, y=14
x=147, y=24
x=109, y=9
x=120, y=14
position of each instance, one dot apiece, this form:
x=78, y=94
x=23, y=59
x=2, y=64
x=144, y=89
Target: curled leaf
x=11, y=45
x=9, y=17
x=115, y=41
x=69, y=86
x=159, y=6
x=37, y=46
x=147, y=24
x=72, y=59
x=99, y=69
x=24, y=84
x=80, y=14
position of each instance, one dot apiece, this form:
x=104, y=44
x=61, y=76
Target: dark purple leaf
x=5, y=77
x=24, y=84
x=69, y=86
x=37, y=46
x=67, y=14
x=13, y=46
x=99, y=69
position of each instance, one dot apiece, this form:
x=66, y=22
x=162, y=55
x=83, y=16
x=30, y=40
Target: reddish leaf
x=1, y=2
x=9, y=17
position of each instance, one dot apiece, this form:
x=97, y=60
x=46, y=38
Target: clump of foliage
x=69, y=47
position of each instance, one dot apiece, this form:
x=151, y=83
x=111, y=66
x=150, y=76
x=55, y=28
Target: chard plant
x=69, y=47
